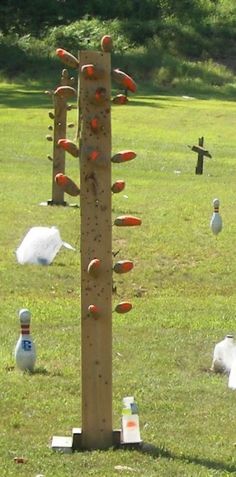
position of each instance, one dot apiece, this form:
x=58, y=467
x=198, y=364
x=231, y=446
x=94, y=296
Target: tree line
x=27, y=16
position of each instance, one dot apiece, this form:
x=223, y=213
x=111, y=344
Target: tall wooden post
x=96, y=243
x=94, y=152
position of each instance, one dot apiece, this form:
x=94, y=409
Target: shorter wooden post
x=58, y=165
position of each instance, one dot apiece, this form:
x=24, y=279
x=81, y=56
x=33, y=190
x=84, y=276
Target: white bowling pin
x=216, y=220
x=25, y=352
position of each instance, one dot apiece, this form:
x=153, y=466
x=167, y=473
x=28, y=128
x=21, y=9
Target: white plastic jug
x=224, y=355
x=130, y=432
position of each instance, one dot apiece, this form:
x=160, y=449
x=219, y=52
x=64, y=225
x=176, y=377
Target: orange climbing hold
x=67, y=185
x=123, y=156
x=94, y=124
x=100, y=96
x=120, y=99
x=94, y=155
x=65, y=92
x=123, y=266
x=124, y=80
x=94, y=311
x=67, y=58
x=123, y=307
x=69, y=146
x=106, y=43
x=118, y=186
x=92, y=72
x=94, y=267
x=127, y=221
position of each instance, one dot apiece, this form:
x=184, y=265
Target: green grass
x=182, y=289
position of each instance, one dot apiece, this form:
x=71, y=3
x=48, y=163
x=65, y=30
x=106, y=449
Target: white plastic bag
x=40, y=246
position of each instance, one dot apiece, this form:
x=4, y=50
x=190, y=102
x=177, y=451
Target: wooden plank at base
x=76, y=438
x=62, y=444
x=116, y=436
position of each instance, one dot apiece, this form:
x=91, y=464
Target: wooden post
x=94, y=151
x=96, y=243
x=199, y=166
x=59, y=132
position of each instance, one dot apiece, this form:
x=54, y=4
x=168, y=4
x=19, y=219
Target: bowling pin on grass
x=25, y=352
x=216, y=220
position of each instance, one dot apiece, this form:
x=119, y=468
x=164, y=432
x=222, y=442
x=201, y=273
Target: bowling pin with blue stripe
x=25, y=351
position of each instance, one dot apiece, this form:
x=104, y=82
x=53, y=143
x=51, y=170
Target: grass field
x=182, y=289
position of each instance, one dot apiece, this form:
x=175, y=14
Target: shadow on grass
x=18, y=97
x=29, y=96
x=42, y=371
x=37, y=371
x=158, y=453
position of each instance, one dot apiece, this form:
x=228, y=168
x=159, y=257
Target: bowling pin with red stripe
x=216, y=223
x=25, y=352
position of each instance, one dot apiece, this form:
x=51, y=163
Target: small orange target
x=94, y=124
x=123, y=266
x=100, y=95
x=131, y=424
x=123, y=156
x=94, y=267
x=94, y=155
x=67, y=58
x=118, y=186
x=127, y=221
x=106, y=43
x=123, y=307
x=69, y=146
x=94, y=311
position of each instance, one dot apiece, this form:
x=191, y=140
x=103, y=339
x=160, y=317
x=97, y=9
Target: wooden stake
x=200, y=158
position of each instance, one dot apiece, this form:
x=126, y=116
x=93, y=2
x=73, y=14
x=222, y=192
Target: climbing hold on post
x=67, y=185
x=94, y=311
x=99, y=96
x=69, y=146
x=106, y=44
x=120, y=99
x=123, y=156
x=65, y=92
x=118, y=186
x=123, y=266
x=124, y=80
x=92, y=72
x=127, y=221
x=67, y=58
x=123, y=307
x=94, y=267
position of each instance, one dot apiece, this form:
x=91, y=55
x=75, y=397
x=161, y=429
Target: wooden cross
x=201, y=151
